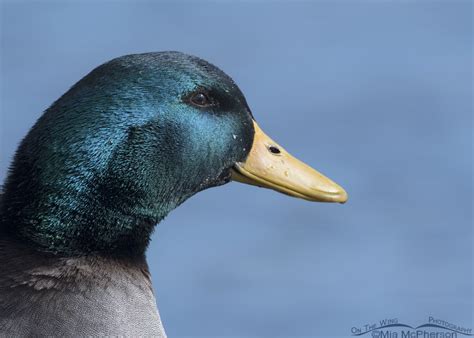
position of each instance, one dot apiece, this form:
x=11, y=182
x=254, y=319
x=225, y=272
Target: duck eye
x=201, y=100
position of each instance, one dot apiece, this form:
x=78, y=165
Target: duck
x=101, y=167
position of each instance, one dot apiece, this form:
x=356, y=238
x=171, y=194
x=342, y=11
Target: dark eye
x=201, y=100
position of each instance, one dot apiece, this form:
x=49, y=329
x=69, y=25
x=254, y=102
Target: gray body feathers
x=41, y=294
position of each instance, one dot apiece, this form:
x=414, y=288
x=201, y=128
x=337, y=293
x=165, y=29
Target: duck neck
x=103, y=218
x=80, y=212
x=100, y=191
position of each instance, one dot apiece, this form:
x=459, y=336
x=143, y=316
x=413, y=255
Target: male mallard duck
x=106, y=162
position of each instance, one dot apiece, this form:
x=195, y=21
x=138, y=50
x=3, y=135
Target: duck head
x=131, y=141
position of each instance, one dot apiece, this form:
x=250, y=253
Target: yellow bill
x=270, y=166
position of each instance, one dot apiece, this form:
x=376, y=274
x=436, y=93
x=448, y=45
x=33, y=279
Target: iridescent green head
x=125, y=145
x=130, y=142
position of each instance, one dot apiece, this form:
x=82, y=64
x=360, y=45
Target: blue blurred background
x=377, y=95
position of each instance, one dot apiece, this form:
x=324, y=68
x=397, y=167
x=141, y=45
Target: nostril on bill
x=274, y=150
